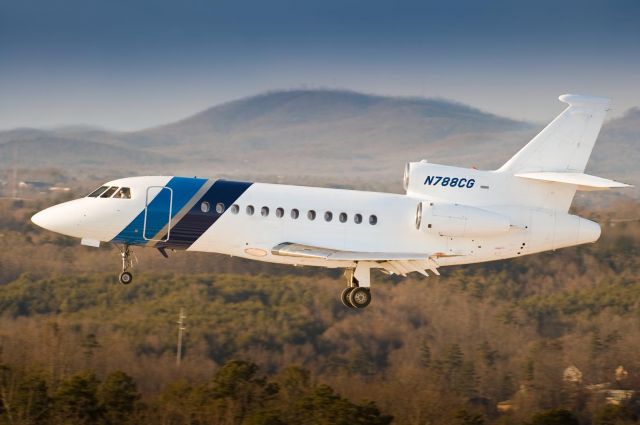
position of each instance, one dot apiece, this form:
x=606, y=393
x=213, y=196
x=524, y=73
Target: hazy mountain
x=321, y=132
x=617, y=152
x=310, y=134
x=78, y=151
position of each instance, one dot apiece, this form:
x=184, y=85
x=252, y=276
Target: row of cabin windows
x=111, y=192
x=343, y=217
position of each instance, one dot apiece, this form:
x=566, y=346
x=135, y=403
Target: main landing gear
x=357, y=294
x=127, y=263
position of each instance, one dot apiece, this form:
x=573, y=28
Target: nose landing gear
x=127, y=263
x=357, y=294
x=125, y=278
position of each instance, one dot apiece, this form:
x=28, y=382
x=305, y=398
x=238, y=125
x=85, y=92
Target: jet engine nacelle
x=459, y=220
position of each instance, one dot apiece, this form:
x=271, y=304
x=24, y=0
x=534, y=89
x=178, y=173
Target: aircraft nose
x=62, y=218
x=42, y=219
x=45, y=218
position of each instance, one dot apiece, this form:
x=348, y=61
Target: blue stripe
x=195, y=222
x=184, y=188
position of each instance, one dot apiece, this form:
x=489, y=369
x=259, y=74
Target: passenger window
x=235, y=208
x=250, y=210
x=311, y=215
x=219, y=207
x=264, y=211
x=123, y=193
x=109, y=192
x=328, y=216
x=205, y=207
x=295, y=213
x=357, y=218
x=279, y=212
x=373, y=220
x=97, y=192
x=343, y=217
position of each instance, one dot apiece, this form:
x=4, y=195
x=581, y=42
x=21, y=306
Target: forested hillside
x=272, y=345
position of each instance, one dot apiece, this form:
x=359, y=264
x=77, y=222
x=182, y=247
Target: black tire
x=344, y=297
x=360, y=297
x=126, y=278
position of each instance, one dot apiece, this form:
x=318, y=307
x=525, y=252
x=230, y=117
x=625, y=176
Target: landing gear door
x=157, y=214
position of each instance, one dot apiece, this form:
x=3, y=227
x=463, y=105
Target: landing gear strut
x=127, y=263
x=357, y=294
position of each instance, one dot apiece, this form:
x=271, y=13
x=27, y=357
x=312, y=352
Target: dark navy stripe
x=195, y=222
x=184, y=188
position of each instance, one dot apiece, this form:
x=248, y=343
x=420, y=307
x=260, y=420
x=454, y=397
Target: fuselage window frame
x=279, y=212
x=328, y=216
x=235, y=209
x=357, y=218
x=250, y=210
x=373, y=219
x=295, y=213
x=220, y=207
x=343, y=217
x=264, y=211
x=311, y=215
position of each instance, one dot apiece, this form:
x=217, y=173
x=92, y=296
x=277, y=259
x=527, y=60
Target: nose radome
x=63, y=218
x=43, y=219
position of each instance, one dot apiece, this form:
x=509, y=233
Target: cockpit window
x=109, y=192
x=97, y=192
x=123, y=193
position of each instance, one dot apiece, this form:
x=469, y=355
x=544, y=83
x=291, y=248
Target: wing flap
x=289, y=249
x=391, y=262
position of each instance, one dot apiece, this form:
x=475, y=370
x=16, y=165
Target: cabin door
x=158, y=213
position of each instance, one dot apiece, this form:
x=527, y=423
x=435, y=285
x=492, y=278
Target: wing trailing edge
x=390, y=262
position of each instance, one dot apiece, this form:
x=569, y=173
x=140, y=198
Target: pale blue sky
x=132, y=64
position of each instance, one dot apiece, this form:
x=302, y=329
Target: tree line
x=446, y=350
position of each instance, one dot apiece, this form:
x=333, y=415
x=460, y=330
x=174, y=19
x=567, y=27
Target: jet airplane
x=447, y=216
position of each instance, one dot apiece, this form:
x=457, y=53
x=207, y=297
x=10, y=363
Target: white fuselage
x=236, y=232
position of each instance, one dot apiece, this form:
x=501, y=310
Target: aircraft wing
x=390, y=262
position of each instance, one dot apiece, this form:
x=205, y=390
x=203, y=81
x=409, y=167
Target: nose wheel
x=125, y=278
x=127, y=263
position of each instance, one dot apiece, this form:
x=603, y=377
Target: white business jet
x=448, y=216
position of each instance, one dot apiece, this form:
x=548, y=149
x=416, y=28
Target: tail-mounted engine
x=459, y=220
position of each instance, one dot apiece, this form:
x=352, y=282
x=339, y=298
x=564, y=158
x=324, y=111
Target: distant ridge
x=296, y=107
x=328, y=135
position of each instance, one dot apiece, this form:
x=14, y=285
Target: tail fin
x=566, y=143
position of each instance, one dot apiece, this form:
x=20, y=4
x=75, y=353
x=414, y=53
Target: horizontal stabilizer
x=582, y=181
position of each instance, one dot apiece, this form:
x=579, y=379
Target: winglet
x=581, y=100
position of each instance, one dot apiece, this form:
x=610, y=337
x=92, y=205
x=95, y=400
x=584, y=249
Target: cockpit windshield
x=123, y=193
x=108, y=192
x=97, y=192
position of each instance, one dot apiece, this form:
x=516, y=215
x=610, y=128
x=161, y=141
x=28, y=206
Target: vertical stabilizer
x=566, y=143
